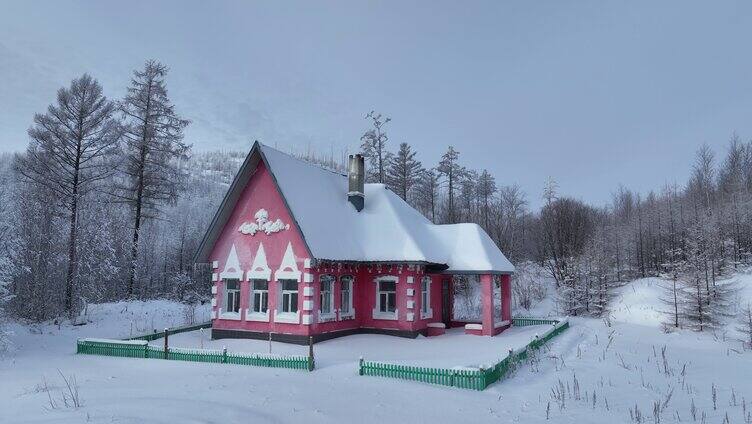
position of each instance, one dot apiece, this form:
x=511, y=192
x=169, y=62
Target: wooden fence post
x=166, y=345
x=310, y=353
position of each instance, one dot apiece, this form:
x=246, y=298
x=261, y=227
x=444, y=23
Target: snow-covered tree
x=671, y=290
x=5, y=297
x=373, y=147
x=428, y=193
x=403, y=171
x=69, y=153
x=154, y=146
x=486, y=189
x=745, y=324
x=450, y=168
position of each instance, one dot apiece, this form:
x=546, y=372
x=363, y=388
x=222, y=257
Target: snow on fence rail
x=525, y=321
x=141, y=349
x=175, y=330
x=474, y=379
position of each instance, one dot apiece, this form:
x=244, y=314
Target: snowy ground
x=622, y=364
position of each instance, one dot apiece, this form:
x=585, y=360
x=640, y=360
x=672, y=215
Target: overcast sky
x=592, y=94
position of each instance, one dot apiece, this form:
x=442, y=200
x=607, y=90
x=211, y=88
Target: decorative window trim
x=232, y=266
x=288, y=269
x=225, y=296
x=287, y=317
x=260, y=269
x=351, y=313
x=279, y=314
x=250, y=314
x=426, y=312
x=386, y=315
x=347, y=315
x=376, y=312
x=327, y=317
x=256, y=316
x=234, y=316
x=331, y=315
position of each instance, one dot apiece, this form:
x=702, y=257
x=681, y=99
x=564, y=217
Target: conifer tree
x=403, y=171
x=153, y=147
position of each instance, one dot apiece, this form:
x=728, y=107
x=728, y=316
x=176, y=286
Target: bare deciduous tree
x=68, y=154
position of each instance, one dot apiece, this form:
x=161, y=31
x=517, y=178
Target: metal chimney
x=356, y=178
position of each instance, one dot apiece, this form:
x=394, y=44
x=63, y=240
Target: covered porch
x=481, y=303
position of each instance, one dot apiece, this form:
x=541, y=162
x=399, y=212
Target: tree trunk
x=137, y=222
x=70, y=275
x=139, y=194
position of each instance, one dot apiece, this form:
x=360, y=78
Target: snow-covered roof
x=386, y=230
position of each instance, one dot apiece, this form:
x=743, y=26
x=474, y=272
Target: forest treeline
x=108, y=202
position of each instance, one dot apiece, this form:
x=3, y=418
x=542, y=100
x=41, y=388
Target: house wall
x=408, y=298
x=259, y=193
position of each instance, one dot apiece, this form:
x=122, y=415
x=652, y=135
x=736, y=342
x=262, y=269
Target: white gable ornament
x=260, y=269
x=288, y=269
x=263, y=224
x=232, y=266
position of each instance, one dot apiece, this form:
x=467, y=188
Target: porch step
x=435, y=329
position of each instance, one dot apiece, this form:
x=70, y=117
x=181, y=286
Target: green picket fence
x=294, y=362
x=175, y=330
x=141, y=349
x=466, y=379
x=105, y=347
x=525, y=321
x=474, y=379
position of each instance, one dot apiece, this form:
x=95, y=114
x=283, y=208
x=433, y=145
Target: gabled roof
x=386, y=230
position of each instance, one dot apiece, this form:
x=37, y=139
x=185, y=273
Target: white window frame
x=279, y=314
x=224, y=313
x=351, y=285
x=250, y=313
x=331, y=314
x=425, y=297
x=377, y=313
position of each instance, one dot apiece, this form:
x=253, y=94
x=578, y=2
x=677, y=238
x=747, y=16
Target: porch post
x=486, y=287
x=506, y=297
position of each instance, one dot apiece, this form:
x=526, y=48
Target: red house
x=301, y=251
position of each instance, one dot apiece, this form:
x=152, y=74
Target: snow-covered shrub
x=745, y=325
x=5, y=296
x=529, y=286
x=467, y=298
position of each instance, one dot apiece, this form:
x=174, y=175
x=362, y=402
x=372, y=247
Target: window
x=289, y=296
x=326, y=307
x=260, y=298
x=387, y=300
x=425, y=298
x=345, y=292
x=232, y=295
